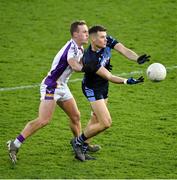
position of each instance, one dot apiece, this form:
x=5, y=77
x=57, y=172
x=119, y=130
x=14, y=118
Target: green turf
x=142, y=142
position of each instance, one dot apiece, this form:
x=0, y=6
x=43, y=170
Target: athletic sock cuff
x=83, y=137
x=20, y=138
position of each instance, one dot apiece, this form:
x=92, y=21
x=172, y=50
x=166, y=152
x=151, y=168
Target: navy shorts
x=94, y=94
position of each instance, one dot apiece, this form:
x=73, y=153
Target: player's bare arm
x=131, y=54
x=104, y=73
x=128, y=53
x=75, y=65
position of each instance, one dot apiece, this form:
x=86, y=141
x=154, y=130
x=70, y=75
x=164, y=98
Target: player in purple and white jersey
x=54, y=89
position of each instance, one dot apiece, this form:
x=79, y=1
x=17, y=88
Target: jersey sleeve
x=111, y=42
x=72, y=52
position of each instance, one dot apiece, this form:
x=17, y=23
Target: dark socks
x=80, y=140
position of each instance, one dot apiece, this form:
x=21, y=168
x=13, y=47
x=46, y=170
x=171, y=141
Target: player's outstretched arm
x=104, y=73
x=128, y=53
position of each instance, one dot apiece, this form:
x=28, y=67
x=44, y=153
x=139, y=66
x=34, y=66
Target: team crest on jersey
x=75, y=50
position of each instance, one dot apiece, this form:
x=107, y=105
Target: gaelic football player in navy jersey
x=96, y=65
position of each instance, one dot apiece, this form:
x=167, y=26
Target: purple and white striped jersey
x=60, y=70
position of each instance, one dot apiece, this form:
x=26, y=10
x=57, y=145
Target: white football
x=156, y=72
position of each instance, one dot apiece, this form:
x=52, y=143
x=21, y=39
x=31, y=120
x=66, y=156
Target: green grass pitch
x=142, y=142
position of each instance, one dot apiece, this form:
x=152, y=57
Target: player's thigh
x=70, y=108
x=46, y=109
x=100, y=109
x=93, y=117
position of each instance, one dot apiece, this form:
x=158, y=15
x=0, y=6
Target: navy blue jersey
x=93, y=60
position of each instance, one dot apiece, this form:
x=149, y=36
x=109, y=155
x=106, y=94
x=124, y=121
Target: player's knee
x=44, y=122
x=107, y=123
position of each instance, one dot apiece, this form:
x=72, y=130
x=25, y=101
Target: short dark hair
x=75, y=24
x=95, y=29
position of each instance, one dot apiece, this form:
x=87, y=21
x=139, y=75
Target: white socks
x=17, y=143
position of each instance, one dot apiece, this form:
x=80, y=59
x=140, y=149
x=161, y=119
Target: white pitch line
x=73, y=80
x=19, y=87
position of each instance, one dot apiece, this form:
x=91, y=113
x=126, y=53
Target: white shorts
x=61, y=93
